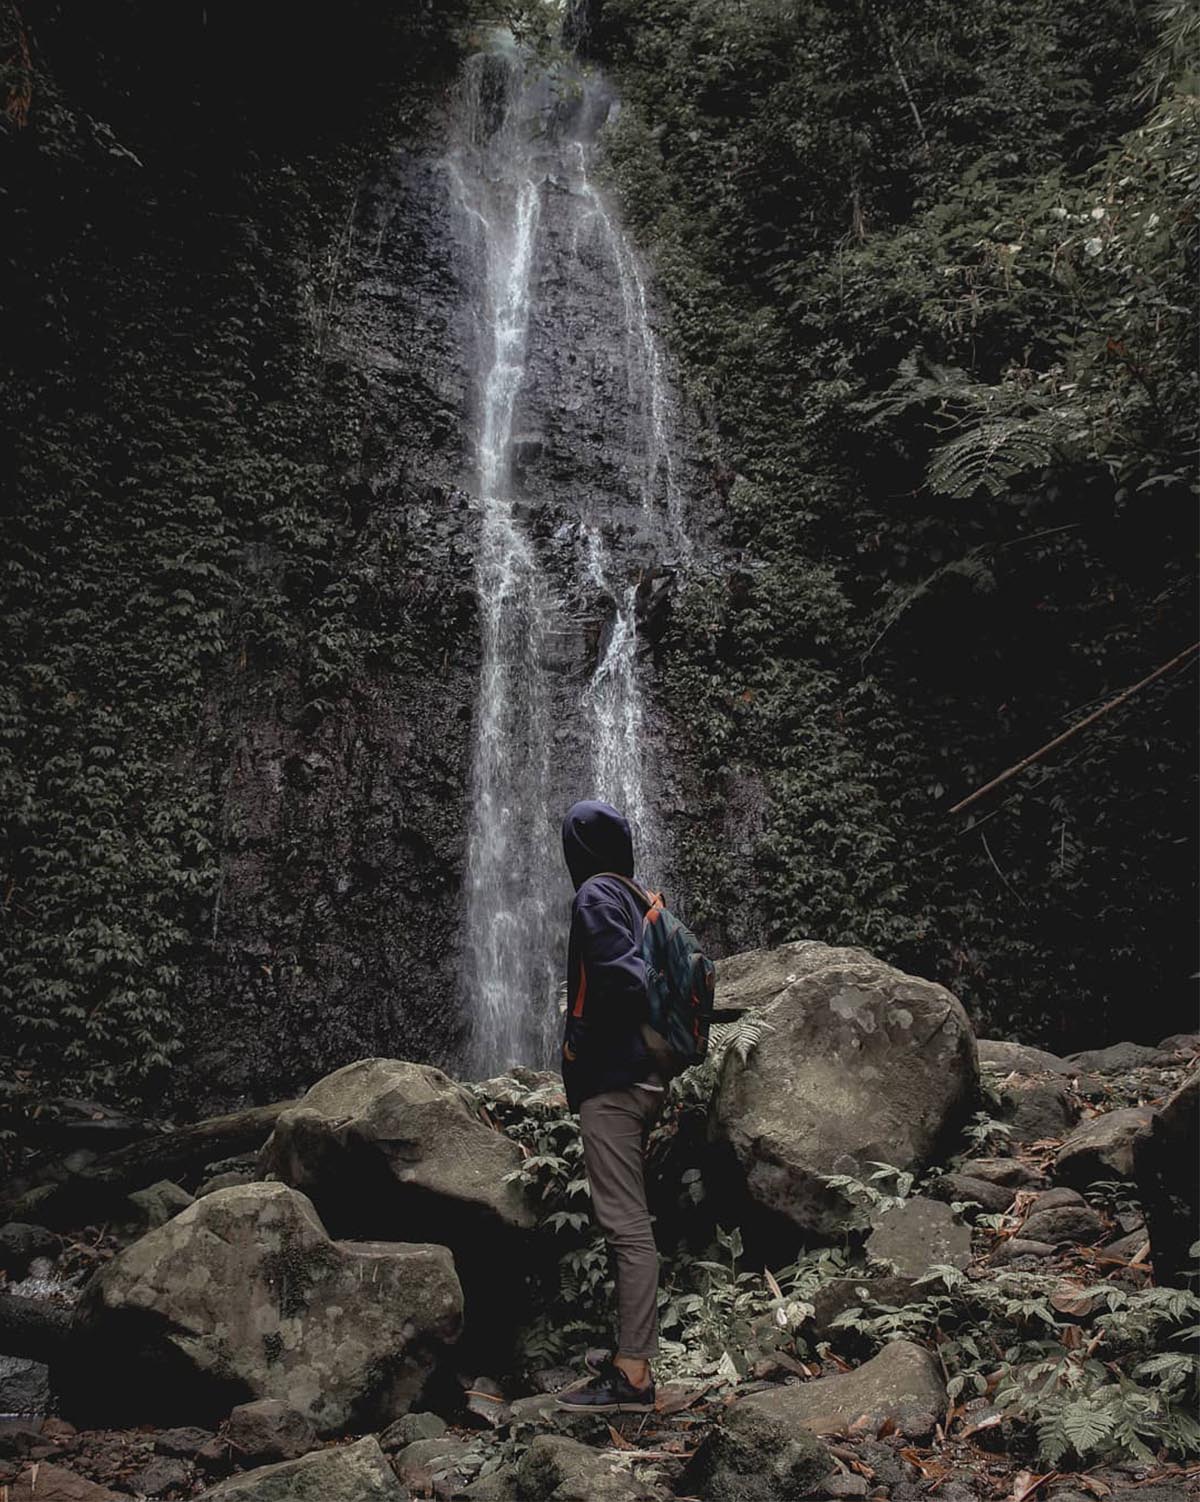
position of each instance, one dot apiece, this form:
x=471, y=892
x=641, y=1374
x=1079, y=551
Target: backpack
x=680, y=986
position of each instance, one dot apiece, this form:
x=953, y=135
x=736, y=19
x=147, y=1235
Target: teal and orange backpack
x=680, y=986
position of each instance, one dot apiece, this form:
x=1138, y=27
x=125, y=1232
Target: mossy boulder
x=387, y=1148
x=901, y=1385
x=863, y=1064
x=243, y=1296
x=351, y=1473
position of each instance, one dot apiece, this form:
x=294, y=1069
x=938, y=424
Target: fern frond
x=995, y=452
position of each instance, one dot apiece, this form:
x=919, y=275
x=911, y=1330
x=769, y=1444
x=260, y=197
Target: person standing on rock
x=610, y=1079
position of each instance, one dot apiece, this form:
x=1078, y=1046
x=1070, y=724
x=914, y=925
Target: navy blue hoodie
x=606, y=976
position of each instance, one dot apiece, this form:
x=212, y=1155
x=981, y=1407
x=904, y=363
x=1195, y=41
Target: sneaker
x=609, y=1391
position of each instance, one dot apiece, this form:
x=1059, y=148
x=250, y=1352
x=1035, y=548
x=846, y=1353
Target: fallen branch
x=1075, y=729
x=33, y=1328
x=96, y=1188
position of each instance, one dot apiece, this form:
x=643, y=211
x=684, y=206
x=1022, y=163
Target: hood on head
x=596, y=838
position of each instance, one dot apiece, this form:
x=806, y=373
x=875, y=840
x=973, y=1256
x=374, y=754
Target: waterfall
x=550, y=726
x=615, y=703
x=645, y=366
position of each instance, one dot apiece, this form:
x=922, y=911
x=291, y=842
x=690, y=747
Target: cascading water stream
x=507, y=905
x=645, y=364
x=523, y=144
x=615, y=702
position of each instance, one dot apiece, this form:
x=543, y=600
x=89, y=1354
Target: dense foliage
x=930, y=275
x=179, y=521
x=1076, y=1371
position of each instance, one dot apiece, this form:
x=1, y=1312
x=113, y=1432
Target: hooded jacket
x=606, y=976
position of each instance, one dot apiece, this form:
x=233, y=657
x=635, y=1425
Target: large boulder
x=1101, y=1148
x=351, y=1473
x=901, y=1384
x=863, y=1064
x=1165, y=1154
x=244, y=1296
x=396, y=1151
x=384, y=1147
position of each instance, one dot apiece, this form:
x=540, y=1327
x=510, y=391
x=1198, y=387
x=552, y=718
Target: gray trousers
x=615, y=1125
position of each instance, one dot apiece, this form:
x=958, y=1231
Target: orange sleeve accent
x=580, y=995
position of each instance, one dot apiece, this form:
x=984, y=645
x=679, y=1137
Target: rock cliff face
x=336, y=928
x=345, y=826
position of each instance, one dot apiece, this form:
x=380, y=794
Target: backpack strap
x=649, y=900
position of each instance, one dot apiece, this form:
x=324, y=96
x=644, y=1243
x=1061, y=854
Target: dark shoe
x=609, y=1391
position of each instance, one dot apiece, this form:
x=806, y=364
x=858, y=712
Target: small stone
x=416, y=1463
x=1101, y=1148
x=1018, y=1058
x=961, y=1187
x=214, y=1456
x=1055, y=1199
x=885, y=1460
x=51, y=1483
x=164, y=1476
x=845, y=1486
x=1116, y=1058
x=1077, y=1224
x=18, y=1441
x=153, y=1207
x=1011, y=1172
x=21, y=1243
x=554, y=1378
x=410, y=1428
x=1181, y=1043
x=917, y=1235
x=485, y=1401
x=1019, y=1246
x=24, y=1385
x=1126, y=1248
x=224, y=1181
x=956, y=1491
x=268, y=1431
x=1039, y=1110
x=563, y=1469
x=184, y=1443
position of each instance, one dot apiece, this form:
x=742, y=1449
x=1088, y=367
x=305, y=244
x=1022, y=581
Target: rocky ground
x=899, y=1263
